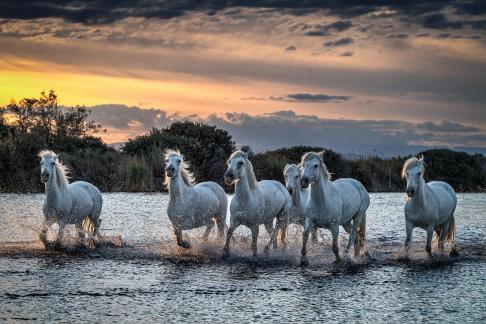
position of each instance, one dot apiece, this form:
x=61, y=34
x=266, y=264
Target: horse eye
x=240, y=163
x=315, y=166
x=178, y=161
x=296, y=177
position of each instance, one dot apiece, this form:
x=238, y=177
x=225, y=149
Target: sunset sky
x=357, y=77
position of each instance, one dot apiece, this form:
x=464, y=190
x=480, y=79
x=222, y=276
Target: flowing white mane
x=289, y=167
x=61, y=170
x=411, y=163
x=187, y=176
x=313, y=155
x=252, y=181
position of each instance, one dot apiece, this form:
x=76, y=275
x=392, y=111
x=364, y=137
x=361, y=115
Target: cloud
x=309, y=97
x=339, y=42
x=347, y=54
x=447, y=126
x=286, y=128
x=290, y=48
x=397, y=35
x=322, y=30
x=134, y=118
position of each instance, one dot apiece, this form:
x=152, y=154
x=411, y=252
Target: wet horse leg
x=208, y=230
x=180, y=241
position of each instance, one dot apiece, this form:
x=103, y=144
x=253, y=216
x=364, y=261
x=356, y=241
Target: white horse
x=192, y=206
x=68, y=203
x=333, y=203
x=429, y=206
x=300, y=199
x=254, y=203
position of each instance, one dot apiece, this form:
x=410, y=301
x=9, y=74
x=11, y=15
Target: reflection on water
x=151, y=279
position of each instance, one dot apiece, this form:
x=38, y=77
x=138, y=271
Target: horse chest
x=420, y=216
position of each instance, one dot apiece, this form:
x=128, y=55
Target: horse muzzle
x=229, y=178
x=304, y=182
x=44, y=178
x=410, y=192
x=170, y=172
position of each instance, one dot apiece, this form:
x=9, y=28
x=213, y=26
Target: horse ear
x=246, y=154
x=321, y=153
x=55, y=157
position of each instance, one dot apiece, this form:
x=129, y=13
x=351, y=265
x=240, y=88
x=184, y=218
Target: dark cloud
x=339, y=42
x=291, y=49
x=286, y=128
x=397, y=35
x=440, y=21
x=457, y=36
x=123, y=117
x=309, y=97
x=447, y=126
x=321, y=30
x=92, y=11
x=347, y=54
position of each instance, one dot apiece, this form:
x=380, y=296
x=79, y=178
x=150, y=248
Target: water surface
x=151, y=279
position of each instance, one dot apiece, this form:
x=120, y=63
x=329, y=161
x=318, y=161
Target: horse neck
x=243, y=190
x=320, y=191
x=54, y=192
x=298, y=197
x=420, y=198
x=178, y=188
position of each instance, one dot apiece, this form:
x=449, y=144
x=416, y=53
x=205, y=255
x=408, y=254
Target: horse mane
x=61, y=169
x=252, y=181
x=411, y=163
x=290, y=166
x=314, y=155
x=187, y=176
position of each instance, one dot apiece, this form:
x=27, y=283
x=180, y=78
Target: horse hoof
x=454, y=252
x=91, y=244
x=304, y=262
x=185, y=245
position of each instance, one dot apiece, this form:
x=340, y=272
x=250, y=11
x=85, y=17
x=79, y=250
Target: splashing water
x=150, y=278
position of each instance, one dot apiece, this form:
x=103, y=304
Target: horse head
x=413, y=171
x=312, y=167
x=47, y=164
x=292, y=177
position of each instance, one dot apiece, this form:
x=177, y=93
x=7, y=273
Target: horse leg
x=442, y=236
x=335, y=241
x=43, y=233
x=180, y=241
x=79, y=230
x=272, y=232
x=229, y=234
x=60, y=235
x=430, y=234
x=408, y=241
x=283, y=232
x=303, y=252
x=254, y=238
x=208, y=230
x=314, y=239
x=352, y=235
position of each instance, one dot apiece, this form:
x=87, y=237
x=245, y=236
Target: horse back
x=276, y=197
x=214, y=190
x=446, y=198
x=353, y=194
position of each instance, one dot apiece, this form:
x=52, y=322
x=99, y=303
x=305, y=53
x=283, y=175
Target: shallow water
x=150, y=279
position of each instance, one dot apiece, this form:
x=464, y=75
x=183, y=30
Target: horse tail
x=88, y=225
x=359, y=242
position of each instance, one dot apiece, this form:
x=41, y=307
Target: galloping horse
x=254, y=203
x=429, y=206
x=333, y=203
x=192, y=206
x=67, y=203
x=300, y=199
